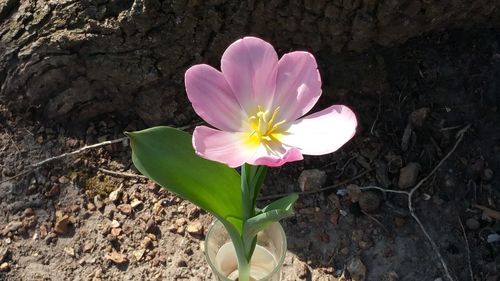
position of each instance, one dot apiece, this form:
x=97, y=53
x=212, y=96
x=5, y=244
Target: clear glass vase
x=266, y=262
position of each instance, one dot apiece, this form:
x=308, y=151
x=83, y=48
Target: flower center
x=264, y=128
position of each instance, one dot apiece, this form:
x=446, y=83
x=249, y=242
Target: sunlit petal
x=225, y=147
x=250, y=67
x=212, y=98
x=322, y=132
x=298, y=85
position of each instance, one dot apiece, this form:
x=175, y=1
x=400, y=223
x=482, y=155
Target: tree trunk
x=77, y=59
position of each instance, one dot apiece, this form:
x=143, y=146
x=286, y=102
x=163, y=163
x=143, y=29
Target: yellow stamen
x=264, y=130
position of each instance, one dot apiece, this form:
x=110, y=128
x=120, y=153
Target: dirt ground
x=62, y=221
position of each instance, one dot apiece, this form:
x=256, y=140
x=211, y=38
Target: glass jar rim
x=279, y=263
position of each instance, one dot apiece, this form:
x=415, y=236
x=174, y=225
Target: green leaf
x=284, y=203
x=166, y=155
x=273, y=212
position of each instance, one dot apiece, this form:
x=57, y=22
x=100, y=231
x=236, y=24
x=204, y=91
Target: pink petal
x=298, y=85
x=322, y=132
x=231, y=149
x=279, y=155
x=225, y=147
x=212, y=98
x=250, y=67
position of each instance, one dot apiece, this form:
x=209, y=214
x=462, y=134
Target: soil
x=66, y=221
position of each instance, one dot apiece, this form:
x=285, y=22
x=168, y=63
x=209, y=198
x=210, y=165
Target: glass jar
x=267, y=259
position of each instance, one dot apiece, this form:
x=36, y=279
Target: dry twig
x=467, y=248
x=460, y=136
x=33, y=166
x=263, y=198
x=121, y=174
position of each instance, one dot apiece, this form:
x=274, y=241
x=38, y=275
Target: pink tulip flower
x=256, y=103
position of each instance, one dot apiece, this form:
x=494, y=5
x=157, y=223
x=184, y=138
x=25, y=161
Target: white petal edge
x=322, y=132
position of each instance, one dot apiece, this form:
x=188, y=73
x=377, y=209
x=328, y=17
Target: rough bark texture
x=78, y=59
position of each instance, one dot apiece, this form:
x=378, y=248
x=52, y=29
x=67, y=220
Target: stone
x=114, y=224
x=43, y=231
x=334, y=218
x=116, y=231
x=138, y=254
x=125, y=209
x=116, y=257
x=354, y=192
x=115, y=195
x=135, y=203
x=476, y=168
x=88, y=246
x=357, y=269
x=399, y=221
x=301, y=269
x=472, y=224
x=4, y=254
x=4, y=267
x=487, y=174
x=364, y=245
x=195, y=228
x=417, y=118
x=11, y=227
x=334, y=202
x=63, y=179
x=70, y=251
x=391, y=276
x=91, y=207
x=408, y=175
x=150, y=226
x=147, y=242
x=181, y=263
x=61, y=225
x=312, y=179
x=28, y=212
x=98, y=202
x=51, y=237
x=369, y=201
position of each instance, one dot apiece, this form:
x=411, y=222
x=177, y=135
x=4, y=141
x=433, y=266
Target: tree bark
x=77, y=59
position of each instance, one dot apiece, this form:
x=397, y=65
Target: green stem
x=243, y=262
x=252, y=178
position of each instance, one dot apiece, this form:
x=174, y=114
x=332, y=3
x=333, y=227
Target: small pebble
x=487, y=174
x=301, y=269
x=138, y=254
x=115, y=195
x=472, y=224
x=125, y=209
x=116, y=257
x=4, y=254
x=369, y=201
x=28, y=212
x=357, y=269
x=91, y=207
x=98, y=202
x=181, y=263
x=116, y=231
x=150, y=226
x=195, y=228
x=114, y=224
x=408, y=175
x=135, y=203
x=417, y=118
x=70, y=251
x=61, y=225
x=4, y=267
x=312, y=179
